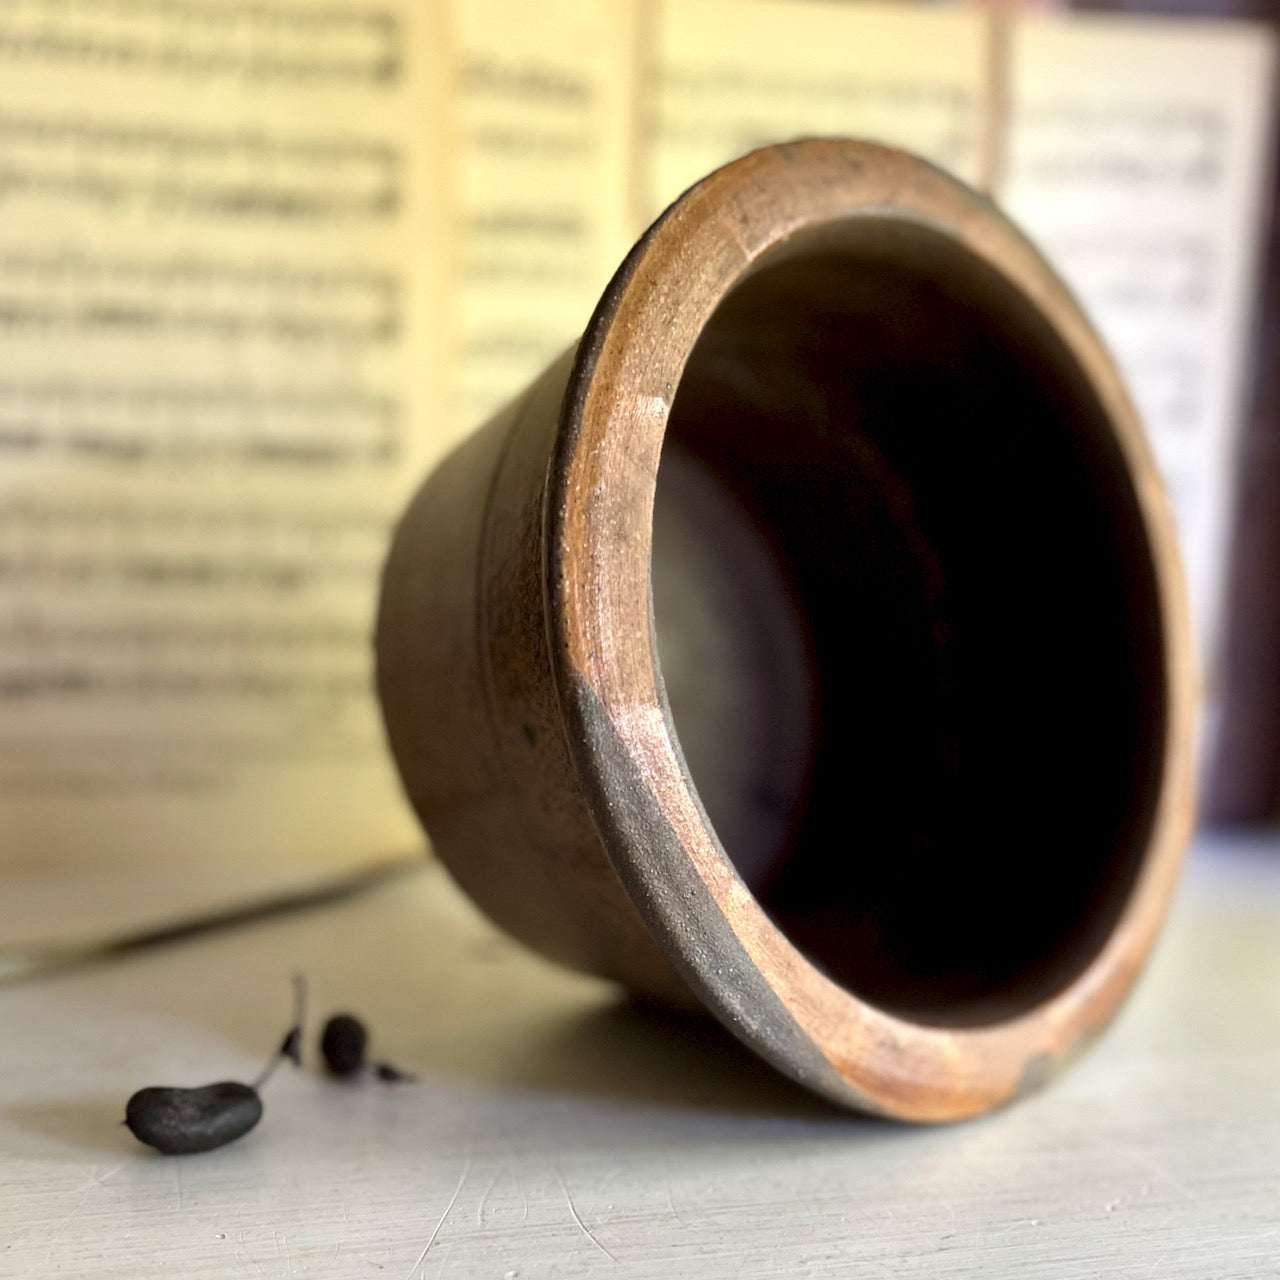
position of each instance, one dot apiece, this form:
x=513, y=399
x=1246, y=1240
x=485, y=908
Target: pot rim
x=597, y=543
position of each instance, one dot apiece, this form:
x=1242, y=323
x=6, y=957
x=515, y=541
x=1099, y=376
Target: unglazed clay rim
x=597, y=583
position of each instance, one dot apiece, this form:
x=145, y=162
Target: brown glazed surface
x=525, y=701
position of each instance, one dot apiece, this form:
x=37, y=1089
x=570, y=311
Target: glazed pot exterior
x=542, y=738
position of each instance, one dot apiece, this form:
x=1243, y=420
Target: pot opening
x=908, y=624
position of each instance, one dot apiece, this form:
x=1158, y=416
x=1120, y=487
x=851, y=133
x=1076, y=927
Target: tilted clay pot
x=810, y=641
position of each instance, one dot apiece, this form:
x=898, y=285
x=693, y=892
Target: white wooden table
x=557, y=1132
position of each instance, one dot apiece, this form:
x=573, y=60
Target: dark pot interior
x=908, y=624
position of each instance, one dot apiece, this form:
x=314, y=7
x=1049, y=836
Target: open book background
x=261, y=264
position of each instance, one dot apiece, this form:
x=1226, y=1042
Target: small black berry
x=342, y=1043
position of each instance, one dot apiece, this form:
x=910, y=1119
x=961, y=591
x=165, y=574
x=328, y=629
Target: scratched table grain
x=558, y=1132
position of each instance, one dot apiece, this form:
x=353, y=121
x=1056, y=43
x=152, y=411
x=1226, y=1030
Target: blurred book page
x=218, y=325
x=732, y=75
x=545, y=99
x=1137, y=159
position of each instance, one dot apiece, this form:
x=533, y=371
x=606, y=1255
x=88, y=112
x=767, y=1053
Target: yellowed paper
x=545, y=101
x=731, y=75
x=1137, y=159
x=220, y=333
x=228, y=233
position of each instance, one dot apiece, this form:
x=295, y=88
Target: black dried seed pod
x=183, y=1121
x=291, y=1046
x=343, y=1043
x=179, y=1122
x=392, y=1075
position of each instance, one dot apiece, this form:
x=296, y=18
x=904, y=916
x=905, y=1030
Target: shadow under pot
x=809, y=642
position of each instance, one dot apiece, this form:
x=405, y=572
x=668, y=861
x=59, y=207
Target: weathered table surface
x=557, y=1132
